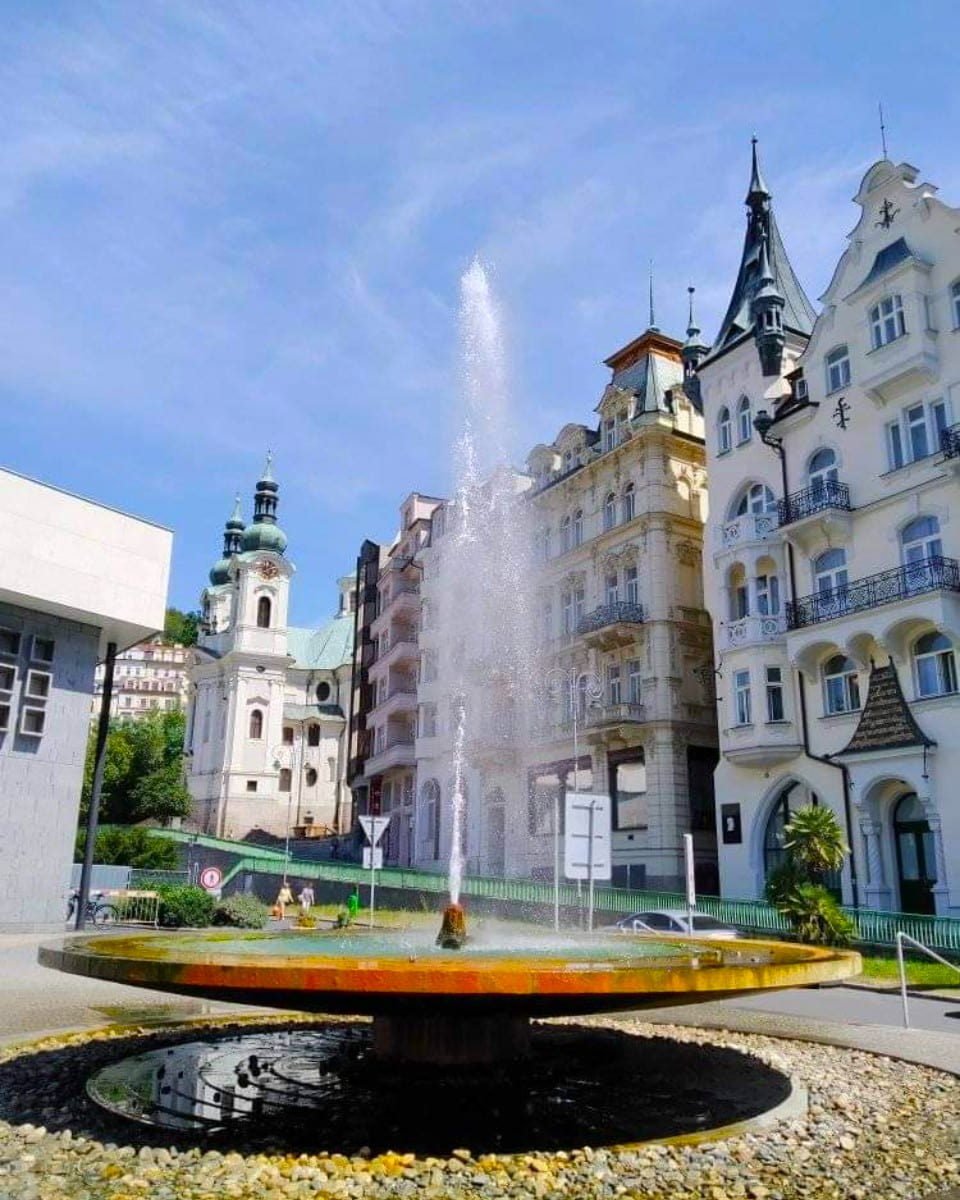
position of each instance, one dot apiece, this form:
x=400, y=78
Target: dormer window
x=838, y=369
x=886, y=321
x=955, y=304
x=744, y=423
x=609, y=433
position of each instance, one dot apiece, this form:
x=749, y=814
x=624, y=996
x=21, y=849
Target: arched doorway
x=916, y=856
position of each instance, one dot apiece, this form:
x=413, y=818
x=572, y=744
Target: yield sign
x=374, y=828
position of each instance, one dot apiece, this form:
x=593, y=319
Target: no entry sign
x=211, y=878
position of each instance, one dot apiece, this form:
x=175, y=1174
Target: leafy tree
x=181, y=627
x=130, y=846
x=160, y=795
x=814, y=841
x=816, y=916
x=142, y=771
x=814, y=845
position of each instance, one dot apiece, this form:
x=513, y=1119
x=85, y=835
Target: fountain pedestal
x=451, y=1041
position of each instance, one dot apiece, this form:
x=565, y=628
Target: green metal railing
x=873, y=926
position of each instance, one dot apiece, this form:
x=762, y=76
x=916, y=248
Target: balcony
x=611, y=625
x=398, y=752
x=821, y=497
x=935, y=574
x=751, y=631
x=950, y=444
x=606, y=718
x=402, y=651
x=399, y=699
x=748, y=529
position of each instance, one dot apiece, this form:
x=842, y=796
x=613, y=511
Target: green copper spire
x=264, y=533
x=232, y=536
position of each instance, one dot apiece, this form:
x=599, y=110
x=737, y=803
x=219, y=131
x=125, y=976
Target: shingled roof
x=886, y=722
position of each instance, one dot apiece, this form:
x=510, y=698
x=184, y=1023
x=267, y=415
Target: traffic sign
x=586, y=812
x=376, y=862
x=211, y=878
x=374, y=828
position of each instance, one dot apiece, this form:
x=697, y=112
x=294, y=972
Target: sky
x=234, y=227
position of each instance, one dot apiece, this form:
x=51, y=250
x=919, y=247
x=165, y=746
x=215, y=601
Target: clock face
x=267, y=569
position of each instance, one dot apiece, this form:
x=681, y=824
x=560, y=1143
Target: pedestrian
x=353, y=904
x=284, y=897
x=306, y=899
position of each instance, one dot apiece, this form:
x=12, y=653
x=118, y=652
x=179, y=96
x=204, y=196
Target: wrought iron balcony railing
x=624, y=612
x=829, y=493
x=950, y=442
x=932, y=574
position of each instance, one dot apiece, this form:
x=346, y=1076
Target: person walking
x=284, y=897
x=306, y=899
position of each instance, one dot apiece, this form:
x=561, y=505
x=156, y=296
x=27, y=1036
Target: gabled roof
x=648, y=367
x=798, y=312
x=322, y=649
x=886, y=722
x=886, y=259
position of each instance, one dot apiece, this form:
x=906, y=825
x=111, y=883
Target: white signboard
x=586, y=811
x=374, y=828
x=691, y=877
x=373, y=857
x=211, y=878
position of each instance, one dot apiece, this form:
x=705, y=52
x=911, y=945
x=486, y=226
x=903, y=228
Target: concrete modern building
x=833, y=575
x=150, y=677
x=78, y=580
x=266, y=730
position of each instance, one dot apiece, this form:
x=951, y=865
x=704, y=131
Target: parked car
x=675, y=920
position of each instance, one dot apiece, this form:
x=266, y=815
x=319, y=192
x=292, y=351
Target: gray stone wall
x=41, y=776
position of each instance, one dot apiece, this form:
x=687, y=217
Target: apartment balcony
x=611, y=625
x=751, y=631
x=398, y=752
x=908, y=362
x=935, y=574
x=606, y=719
x=403, y=652
x=750, y=529
x=763, y=745
x=399, y=699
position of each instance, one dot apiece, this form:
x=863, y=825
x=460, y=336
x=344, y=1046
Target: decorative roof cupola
x=265, y=533
x=232, y=544
x=694, y=348
x=767, y=308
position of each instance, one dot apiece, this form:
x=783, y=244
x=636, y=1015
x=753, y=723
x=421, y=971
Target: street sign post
x=374, y=829
x=586, y=841
x=691, y=879
x=211, y=878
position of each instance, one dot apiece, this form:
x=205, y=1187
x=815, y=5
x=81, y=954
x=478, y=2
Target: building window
x=920, y=540
x=566, y=611
x=4, y=717
x=41, y=649
x=774, y=693
x=577, y=528
x=32, y=721
x=8, y=677
x=629, y=502
x=609, y=511
x=757, y=498
x=744, y=423
x=38, y=685
x=256, y=724
x=263, y=612
x=332, y=772
x=9, y=643
x=547, y=548
x=886, y=321
x=768, y=595
x=565, y=535
x=724, y=431
x=430, y=822
x=313, y=735
x=935, y=665
x=288, y=735
x=613, y=683
x=822, y=471
x=286, y=778
x=955, y=304
x=634, y=686
x=310, y=777
x=741, y=693
x=838, y=369
x=611, y=588
x=251, y=785
x=323, y=692
x=841, y=687
x=609, y=433
x=546, y=619
x=830, y=572
x=428, y=720
x=578, y=607
x=631, y=585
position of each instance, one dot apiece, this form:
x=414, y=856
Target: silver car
x=676, y=921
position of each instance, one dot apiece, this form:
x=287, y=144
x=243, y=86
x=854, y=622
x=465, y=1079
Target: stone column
x=876, y=892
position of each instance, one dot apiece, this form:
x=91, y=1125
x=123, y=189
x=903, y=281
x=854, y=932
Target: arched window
x=744, y=423
x=757, y=498
x=564, y=535
x=310, y=777
x=263, y=612
x=955, y=304
x=313, y=735
x=936, y=667
x=841, y=685
x=838, y=369
x=430, y=818
x=577, y=531
x=822, y=471
x=609, y=511
x=286, y=778
x=256, y=723
x=724, y=431
x=830, y=571
x=774, y=853
x=629, y=502
x=921, y=540
x=739, y=592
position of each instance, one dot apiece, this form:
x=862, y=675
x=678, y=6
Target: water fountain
x=448, y=1002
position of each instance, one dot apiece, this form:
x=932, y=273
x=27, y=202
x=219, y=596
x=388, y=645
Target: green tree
x=814, y=845
x=160, y=795
x=130, y=847
x=142, y=775
x=181, y=627
x=814, y=841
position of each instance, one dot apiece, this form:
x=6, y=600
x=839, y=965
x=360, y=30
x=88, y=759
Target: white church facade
x=266, y=729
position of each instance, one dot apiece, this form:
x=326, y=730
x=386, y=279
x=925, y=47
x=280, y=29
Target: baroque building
x=149, y=678
x=832, y=568
x=266, y=731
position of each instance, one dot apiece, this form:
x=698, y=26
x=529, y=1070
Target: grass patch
x=922, y=971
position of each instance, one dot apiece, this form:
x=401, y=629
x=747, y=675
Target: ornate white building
x=148, y=678
x=266, y=740
x=832, y=570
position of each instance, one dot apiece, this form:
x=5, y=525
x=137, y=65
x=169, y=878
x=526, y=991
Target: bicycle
x=99, y=913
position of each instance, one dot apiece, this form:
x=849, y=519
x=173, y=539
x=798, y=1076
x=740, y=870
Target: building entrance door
x=916, y=858
x=496, y=839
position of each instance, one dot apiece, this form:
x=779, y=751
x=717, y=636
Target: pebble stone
x=875, y=1129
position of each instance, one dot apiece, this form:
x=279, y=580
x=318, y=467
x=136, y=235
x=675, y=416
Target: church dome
x=264, y=533
x=232, y=533
x=263, y=536
x=220, y=572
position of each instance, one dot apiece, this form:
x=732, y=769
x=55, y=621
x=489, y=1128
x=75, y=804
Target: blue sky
x=228, y=227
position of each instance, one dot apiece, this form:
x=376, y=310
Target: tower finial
x=268, y=469
x=883, y=129
x=653, y=319
x=691, y=328
x=758, y=189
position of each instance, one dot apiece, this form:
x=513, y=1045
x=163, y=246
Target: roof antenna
x=653, y=322
x=883, y=130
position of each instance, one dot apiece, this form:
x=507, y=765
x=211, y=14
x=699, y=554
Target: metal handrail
x=950, y=441
x=905, y=937
x=926, y=575
x=623, y=612
x=828, y=493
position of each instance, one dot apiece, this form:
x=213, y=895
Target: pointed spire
x=232, y=544
x=267, y=476
x=694, y=348
x=236, y=517
x=264, y=533
x=692, y=328
x=758, y=189
x=653, y=319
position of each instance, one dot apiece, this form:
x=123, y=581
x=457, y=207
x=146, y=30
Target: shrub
x=814, y=841
x=243, y=911
x=816, y=916
x=181, y=905
x=130, y=846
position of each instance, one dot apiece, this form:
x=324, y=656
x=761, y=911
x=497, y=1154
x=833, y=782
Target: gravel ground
x=875, y=1130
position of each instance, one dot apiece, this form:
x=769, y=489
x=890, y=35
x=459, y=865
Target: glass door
x=916, y=857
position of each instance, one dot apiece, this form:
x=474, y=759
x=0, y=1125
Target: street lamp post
x=281, y=755
x=573, y=683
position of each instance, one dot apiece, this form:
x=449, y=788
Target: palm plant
x=814, y=841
